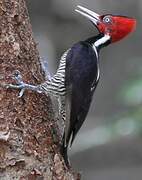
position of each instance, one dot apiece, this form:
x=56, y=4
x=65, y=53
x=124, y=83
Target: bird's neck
x=99, y=41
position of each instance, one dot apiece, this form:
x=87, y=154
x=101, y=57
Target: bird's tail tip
x=64, y=154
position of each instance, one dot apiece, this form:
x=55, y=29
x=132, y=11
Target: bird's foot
x=21, y=85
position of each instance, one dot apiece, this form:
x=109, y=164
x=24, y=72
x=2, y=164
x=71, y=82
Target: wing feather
x=81, y=72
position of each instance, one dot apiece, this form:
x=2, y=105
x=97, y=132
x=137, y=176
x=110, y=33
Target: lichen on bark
x=28, y=147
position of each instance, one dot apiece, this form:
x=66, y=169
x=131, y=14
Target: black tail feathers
x=65, y=155
x=64, y=151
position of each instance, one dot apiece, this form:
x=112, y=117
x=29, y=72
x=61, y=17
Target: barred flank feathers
x=57, y=84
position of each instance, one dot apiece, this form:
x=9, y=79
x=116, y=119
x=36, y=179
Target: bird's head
x=117, y=27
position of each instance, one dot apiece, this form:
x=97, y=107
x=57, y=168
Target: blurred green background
x=109, y=145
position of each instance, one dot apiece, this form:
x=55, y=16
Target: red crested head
x=117, y=27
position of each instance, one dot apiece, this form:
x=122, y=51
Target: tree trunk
x=29, y=147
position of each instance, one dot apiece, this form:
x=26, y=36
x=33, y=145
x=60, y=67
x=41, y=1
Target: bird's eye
x=107, y=19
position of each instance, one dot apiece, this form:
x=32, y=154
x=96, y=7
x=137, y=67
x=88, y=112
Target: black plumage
x=81, y=78
x=80, y=74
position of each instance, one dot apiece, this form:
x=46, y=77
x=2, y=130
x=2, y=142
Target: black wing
x=81, y=74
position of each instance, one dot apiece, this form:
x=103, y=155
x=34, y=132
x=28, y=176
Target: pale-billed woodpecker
x=78, y=73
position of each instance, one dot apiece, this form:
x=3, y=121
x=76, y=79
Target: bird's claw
x=18, y=77
x=21, y=93
x=21, y=85
x=19, y=80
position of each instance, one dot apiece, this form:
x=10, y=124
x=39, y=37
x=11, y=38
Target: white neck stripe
x=95, y=49
x=102, y=41
x=98, y=71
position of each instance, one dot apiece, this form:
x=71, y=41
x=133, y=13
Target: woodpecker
x=78, y=74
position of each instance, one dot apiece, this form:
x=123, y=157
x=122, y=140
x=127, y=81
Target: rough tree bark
x=29, y=147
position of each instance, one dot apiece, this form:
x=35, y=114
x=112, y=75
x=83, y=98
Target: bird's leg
x=21, y=85
x=44, y=64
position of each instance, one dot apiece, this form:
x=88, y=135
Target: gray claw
x=18, y=77
x=21, y=85
x=21, y=93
